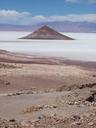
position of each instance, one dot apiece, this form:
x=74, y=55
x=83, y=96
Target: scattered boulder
x=33, y=109
x=90, y=123
x=12, y=120
x=75, y=86
x=92, y=97
x=9, y=66
x=38, y=108
x=4, y=82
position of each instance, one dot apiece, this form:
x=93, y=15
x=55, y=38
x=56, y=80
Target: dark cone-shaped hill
x=47, y=33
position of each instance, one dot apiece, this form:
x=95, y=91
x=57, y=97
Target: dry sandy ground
x=47, y=96
x=47, y=93
x=43, y=77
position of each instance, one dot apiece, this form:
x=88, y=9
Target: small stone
x=12, y=120
x=39, y=117
x=76, y=123
x=87, y=115
x=36, y=120
x=90, y=123
x=7, y=83
x=25, y=124
x=46, y=106
x=70, y=103
x=75, y=118
x=77, y=103
x=53, y=115
x=54, y=106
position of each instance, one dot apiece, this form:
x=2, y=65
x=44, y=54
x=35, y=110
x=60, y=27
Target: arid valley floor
x=47, y=95
x=55, y=88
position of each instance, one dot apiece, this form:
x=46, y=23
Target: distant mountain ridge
x=66, y=26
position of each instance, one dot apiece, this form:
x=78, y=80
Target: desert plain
x=46, y=92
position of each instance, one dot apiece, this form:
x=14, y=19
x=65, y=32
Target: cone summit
x=47, y=33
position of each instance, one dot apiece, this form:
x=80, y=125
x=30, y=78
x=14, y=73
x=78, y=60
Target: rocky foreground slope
x=76, y=109
x=52, y=122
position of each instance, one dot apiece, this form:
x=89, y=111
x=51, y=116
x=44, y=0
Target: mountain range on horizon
x=64, y=26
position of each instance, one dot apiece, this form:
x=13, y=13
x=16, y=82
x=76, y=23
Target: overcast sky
x=35, y=11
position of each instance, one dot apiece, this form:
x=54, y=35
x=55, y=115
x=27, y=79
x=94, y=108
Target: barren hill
x=47, y=33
